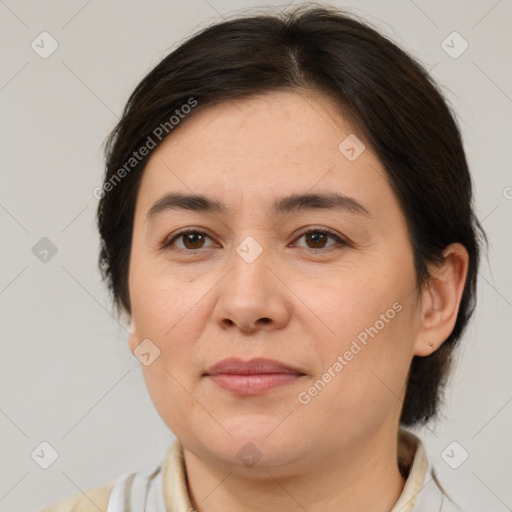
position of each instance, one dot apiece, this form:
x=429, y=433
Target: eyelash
x=167, y=243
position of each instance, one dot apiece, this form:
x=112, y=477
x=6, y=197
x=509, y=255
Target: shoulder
x=91, y=500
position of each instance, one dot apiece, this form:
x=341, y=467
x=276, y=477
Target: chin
x=257, y=442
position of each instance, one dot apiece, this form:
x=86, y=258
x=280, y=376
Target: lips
x=254, y=366
x=253, y=377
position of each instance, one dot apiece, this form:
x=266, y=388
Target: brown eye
x=318, y=239
x=188, y=241
x=193, y=240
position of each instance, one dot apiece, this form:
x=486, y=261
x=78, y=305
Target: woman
x=287, y=219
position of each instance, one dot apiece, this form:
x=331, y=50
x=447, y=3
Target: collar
x=421, y=491
x=413, y=464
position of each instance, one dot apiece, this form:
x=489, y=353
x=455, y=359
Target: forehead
x=259, y=148
x=268, y=126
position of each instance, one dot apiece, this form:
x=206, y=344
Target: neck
x=365, y=478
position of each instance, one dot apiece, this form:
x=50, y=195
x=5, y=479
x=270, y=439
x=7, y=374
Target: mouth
x=253, y=377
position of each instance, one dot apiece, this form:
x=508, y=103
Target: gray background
x=66, y=374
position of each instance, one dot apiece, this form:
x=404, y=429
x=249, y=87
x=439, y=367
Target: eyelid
x=320, y=229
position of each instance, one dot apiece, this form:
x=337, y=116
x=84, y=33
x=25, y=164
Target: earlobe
x=132, y=340
x=440, y=299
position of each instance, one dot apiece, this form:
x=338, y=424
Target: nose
x=252, y=297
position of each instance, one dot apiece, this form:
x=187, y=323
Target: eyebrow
x=289, y=204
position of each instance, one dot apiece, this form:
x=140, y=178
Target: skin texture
x=299, y=303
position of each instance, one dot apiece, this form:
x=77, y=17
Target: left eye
x=318, y=238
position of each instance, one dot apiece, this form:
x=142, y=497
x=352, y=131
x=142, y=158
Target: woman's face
x=260, y=281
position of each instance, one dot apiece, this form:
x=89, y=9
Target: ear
x=133, y=339
x=440, y=299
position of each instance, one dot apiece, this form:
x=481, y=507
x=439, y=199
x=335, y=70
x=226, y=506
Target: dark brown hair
x=388, y=97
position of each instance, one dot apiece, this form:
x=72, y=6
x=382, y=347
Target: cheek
x=159, y=303
x=163, y=311
x=355, y=303
x=363, y=380
x=367, y=351
x=169, y=310
x=169, y=395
